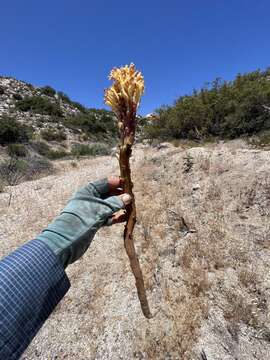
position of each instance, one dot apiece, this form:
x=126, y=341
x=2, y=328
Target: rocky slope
x=203, y=242
x=45, y=108
x=39, y=124
x=13, y=90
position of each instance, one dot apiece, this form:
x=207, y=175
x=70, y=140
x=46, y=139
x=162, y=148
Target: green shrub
x=53, y=135
x=57, y=154
x=74, y=164
x=41, y=148
x=39, y=105
x=91, y=150
x=84, y=137
x=64, y=97
x=17, y=96
x=48, y=90
x=12, y=171
x=2, y=185
x=221, y=109
x=38, y=167
x=11, y=131
x=261, y=140
x=94, y=122
x=44, y=150
x=18, y=150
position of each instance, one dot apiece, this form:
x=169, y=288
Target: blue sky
x=178, y=45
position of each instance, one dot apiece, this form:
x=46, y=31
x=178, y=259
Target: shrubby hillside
x=40, y=124
x=224, y=109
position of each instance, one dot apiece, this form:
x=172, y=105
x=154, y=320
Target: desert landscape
x=203, y=240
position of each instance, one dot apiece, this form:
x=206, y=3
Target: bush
x=13, y=170
x=39, y=105
x=94, y=122
x=11, y=131
x=48, y=90
x=38, y=167
x=2, y=185
x=67, y=100
x=53, y=135
x=64, y=97
x=40, y=147
x=92, y=150
x=18, y=150
x=17, y=97
x=261, y=140
x=44, y=150
x=223, y=109
x=2, y=90
x=57, y=154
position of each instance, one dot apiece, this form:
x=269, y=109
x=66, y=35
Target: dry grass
x=219, y=245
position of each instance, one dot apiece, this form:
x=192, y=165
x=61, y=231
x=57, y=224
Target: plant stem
x=124, y=156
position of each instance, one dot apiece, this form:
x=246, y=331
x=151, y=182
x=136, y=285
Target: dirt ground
x=203, y=239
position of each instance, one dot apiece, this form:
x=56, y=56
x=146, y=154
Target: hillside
x=203, y=242
x=220, y=109
x=39, y=124
x=45, y=108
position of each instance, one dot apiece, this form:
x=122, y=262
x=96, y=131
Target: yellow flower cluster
x=127, y=89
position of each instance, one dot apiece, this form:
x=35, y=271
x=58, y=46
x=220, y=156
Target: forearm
x=32, y=282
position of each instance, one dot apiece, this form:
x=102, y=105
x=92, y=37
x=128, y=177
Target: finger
x=115, y=184
x=117, y=203
x=117, y=191
x=126, y=198
x=117, y=218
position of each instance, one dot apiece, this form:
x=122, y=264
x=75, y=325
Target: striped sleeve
x=32, y=282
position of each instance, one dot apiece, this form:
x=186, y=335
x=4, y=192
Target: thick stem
x=125, y=153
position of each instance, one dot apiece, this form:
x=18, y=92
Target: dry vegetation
x=203, y=238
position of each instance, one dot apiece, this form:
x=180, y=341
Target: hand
x=92, y=207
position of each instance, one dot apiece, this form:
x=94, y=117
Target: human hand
x=95, y=205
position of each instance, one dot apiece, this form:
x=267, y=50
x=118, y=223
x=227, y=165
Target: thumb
x=126, y=199
x=117, y=203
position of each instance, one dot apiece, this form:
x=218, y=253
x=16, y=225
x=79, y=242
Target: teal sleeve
x=71, y=233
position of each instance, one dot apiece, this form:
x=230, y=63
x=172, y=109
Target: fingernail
x=126, y=198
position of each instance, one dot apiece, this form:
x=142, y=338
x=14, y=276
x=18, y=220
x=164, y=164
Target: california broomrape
x=124, y=98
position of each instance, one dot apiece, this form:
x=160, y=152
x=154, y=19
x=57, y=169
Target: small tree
x=11, y=131
x=12, y=171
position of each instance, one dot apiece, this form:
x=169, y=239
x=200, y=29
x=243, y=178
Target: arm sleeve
x=32, y=282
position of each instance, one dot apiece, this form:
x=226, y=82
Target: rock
x=196, y=187
x=165, y=145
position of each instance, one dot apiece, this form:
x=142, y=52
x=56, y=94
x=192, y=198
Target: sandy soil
x=203, y=238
